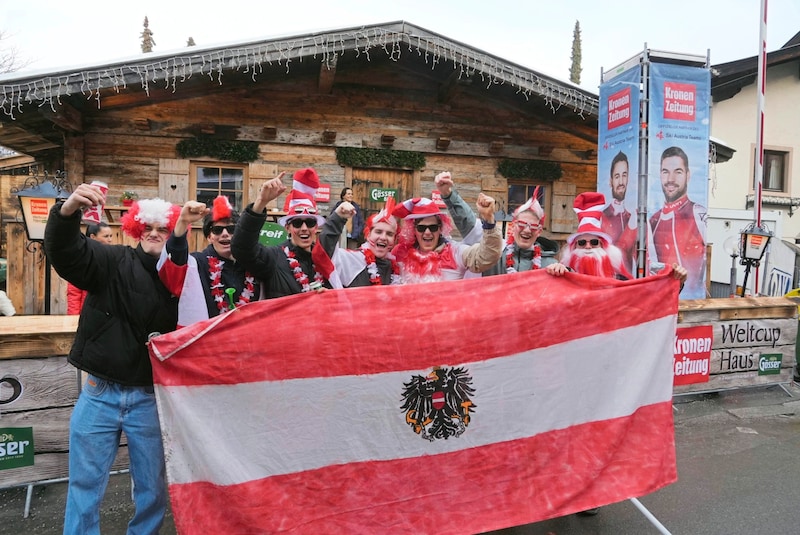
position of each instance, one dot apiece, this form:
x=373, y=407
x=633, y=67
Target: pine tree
x=147, y=37
x=575, y=69
x=190, y=41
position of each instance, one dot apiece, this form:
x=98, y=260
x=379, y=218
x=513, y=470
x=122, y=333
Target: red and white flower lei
x=536, y=261
x=217, y=288
x=298, y=273
x=372, y=267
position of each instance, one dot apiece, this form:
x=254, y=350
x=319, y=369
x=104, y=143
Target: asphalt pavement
x=738, y=458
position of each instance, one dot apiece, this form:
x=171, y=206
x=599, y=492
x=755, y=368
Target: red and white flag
x=447, y=408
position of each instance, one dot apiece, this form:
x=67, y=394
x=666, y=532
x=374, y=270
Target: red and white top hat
x=299, y=204
x=418, y=208
x=589, y=208
x=300, y=201
x=306, y=180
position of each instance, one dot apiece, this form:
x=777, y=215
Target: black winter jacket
x=126, y=301
x=268, y=263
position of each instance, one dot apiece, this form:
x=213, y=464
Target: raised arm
x=481, y=256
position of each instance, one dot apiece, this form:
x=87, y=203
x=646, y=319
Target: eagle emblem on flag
x=438, y=405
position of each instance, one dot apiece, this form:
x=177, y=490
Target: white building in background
x=734, y=89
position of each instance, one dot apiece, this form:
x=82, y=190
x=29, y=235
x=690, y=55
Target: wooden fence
x=26, y=270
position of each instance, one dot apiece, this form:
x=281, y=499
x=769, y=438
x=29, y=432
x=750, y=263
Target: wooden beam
x=442, y=143
x=496, y=147
x=328, y=136
x=327, y=73
x=387, y=140
x=65, y=116
x=449, y=88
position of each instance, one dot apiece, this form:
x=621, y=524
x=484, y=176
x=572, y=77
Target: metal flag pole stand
x=649, y=516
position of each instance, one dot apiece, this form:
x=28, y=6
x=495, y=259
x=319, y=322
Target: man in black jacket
x=126, y=302
x=288, y=268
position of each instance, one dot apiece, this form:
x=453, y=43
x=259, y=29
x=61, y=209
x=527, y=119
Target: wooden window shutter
x=258, y=173
x=562, y=216
x=173, y=180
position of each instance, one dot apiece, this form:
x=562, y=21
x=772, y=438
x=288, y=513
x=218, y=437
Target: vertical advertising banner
x=618, y=160
x=677, y=193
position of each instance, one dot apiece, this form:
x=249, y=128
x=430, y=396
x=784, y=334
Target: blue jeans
x=105, y=409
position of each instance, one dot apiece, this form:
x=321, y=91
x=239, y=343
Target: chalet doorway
x=370, y=187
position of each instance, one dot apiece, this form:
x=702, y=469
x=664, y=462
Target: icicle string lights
x=433, y=49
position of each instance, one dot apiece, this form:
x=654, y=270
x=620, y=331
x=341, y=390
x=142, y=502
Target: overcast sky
x=534, y=33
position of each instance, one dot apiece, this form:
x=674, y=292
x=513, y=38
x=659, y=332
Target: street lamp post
x=36, y=197
x=754, y=241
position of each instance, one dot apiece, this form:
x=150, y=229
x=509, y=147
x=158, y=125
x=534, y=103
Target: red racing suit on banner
x=616, y=222
x=678, y=233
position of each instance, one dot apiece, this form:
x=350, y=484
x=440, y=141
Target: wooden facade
x=393, y=87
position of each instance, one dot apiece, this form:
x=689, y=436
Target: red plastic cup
x=95, y=213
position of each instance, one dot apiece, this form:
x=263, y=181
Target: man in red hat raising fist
x=288, y=268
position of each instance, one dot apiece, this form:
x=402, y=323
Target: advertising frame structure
x=670, y=110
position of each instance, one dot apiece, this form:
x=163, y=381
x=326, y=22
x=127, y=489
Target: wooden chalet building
x=386, y=106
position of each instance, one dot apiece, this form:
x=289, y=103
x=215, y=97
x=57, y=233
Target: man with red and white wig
x=427, y=254
x=372, y=264
x=125, y=304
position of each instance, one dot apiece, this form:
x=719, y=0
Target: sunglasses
x=297, y=223
x=594, y=242
x=216, y=230
x=533, y=227
x=433, y=228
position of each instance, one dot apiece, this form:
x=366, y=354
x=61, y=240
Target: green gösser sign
x=381, y=194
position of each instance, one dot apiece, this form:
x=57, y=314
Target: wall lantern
x=36, y=198
x=754, y=241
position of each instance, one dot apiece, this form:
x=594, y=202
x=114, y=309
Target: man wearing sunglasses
x=425, y=252
x=288, y=268
x=525, y=248
x=590, y=251
x=209, y=282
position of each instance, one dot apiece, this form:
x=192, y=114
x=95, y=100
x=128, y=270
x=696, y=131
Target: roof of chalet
x=398, y=41
x=727, y=79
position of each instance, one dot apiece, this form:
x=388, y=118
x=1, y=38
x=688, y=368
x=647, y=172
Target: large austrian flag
x=447, y=408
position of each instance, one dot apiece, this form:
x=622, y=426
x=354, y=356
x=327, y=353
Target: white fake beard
x=595, y=261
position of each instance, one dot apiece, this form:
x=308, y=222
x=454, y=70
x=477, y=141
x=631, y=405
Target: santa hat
x=418, y=208
x=589, y=208
x=384, y=216
x=299, y=204
x=533, y=206
x=153, y=212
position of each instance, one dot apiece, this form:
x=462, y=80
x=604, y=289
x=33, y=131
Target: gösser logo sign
x=380, y=194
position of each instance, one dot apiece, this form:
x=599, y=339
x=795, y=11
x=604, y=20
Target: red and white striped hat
x=417, y=208
x=300, y=204
x=589, y=208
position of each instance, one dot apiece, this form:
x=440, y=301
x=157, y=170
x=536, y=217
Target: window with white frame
x=210, y=180
x=775, y=171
